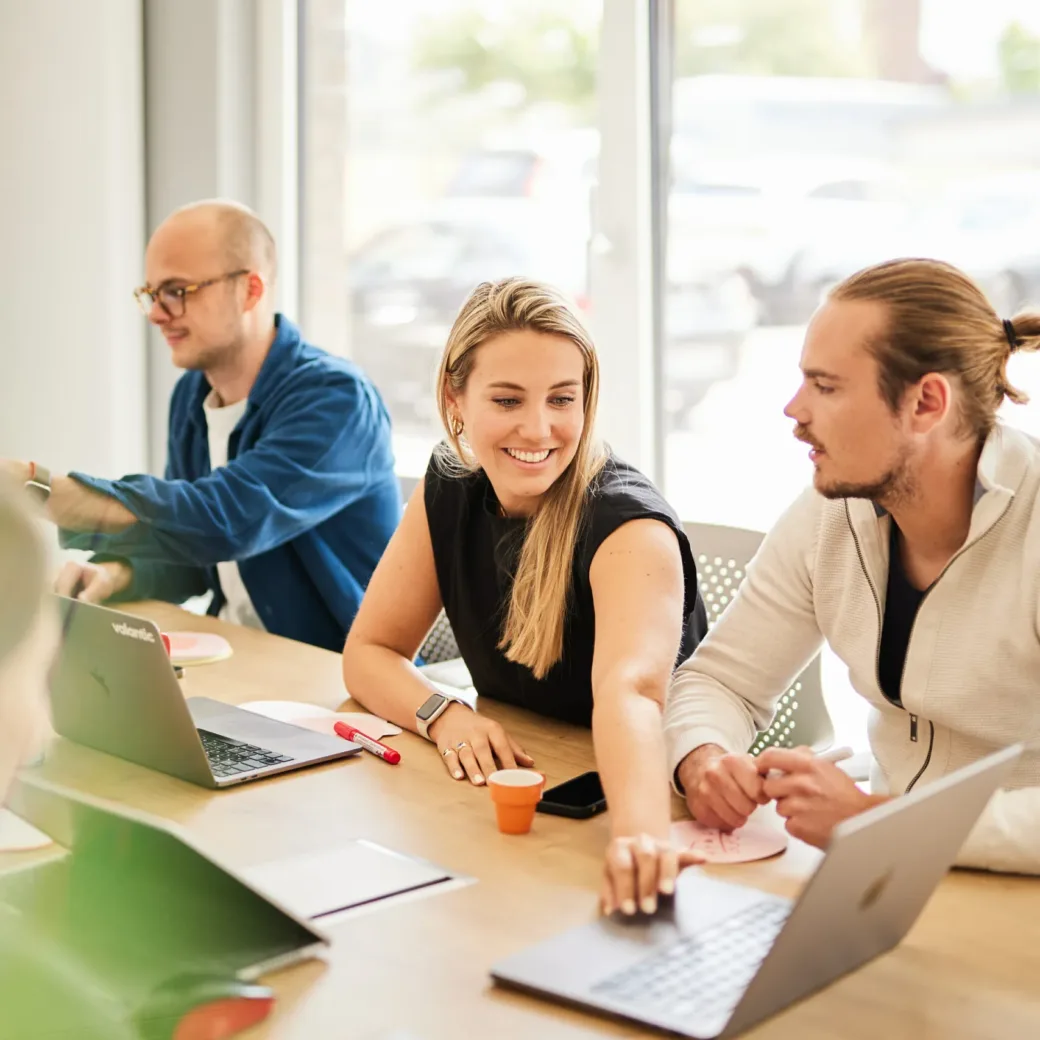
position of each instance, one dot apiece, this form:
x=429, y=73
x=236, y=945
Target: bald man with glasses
x=279, y=494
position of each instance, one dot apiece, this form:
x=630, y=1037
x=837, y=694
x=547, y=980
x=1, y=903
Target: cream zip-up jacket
x=971, y=681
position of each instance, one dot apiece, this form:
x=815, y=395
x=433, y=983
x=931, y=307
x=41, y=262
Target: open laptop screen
x=138, y=903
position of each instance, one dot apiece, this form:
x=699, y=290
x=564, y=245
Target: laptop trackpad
x=229, y=721
x=571, y=963
x=702, y=901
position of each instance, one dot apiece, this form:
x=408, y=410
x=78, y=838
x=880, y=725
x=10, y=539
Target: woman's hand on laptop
x=811, y=793
x=470, y=744
x=93, y=582
x=639, y=869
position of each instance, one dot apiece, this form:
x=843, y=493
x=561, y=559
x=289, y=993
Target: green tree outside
x=765, y=38
x=1019, y=56
x=536, y=46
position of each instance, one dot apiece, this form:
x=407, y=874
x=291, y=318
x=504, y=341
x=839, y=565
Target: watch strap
x=423, y=725
x=39, y=482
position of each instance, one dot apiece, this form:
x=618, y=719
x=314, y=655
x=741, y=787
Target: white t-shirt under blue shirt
x=220, y=422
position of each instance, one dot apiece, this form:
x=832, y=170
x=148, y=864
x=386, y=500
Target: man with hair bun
x=916, y=556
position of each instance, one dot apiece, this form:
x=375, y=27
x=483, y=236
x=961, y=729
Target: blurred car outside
x=987, y=226
x=520, y=211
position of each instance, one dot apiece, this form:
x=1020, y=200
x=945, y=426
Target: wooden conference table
x=416, y=968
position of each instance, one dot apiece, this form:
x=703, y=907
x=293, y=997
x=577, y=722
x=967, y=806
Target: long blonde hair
x=532, y=634
x=939, y=320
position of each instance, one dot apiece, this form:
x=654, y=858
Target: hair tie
x=1009, y=331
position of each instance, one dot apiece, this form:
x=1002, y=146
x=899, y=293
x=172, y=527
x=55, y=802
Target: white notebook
x=18, y=836
x=321, y=883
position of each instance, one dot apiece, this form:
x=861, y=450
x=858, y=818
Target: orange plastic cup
x=516, y=793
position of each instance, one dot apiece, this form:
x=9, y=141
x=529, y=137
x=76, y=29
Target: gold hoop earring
x=456, y=426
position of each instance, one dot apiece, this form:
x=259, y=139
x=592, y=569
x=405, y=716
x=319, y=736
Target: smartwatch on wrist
x=39, y=483
x=432, y=709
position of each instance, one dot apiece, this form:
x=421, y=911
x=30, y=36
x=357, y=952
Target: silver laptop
x=113, y=688
x=721, y=957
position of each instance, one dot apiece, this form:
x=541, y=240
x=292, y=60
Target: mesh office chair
x=440, y=642
x=722, y=555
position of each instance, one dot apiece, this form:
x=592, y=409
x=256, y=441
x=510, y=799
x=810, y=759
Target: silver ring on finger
x=447, y=751
x=462, y=744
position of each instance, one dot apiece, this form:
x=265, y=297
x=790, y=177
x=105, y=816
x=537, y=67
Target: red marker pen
x=387, y=754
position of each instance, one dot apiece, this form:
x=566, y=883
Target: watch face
x=429, y=706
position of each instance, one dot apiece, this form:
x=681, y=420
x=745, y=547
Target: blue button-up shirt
x=305, y=505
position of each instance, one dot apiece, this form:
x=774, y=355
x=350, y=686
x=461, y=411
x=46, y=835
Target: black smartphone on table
x=578, y=798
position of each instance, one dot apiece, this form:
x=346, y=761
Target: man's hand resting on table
x=722, y=789
x=93, y=582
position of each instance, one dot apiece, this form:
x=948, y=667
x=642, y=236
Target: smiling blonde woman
x=568, y=580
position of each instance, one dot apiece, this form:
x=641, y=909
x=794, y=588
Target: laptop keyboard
x=228, y=757
x=704, y=974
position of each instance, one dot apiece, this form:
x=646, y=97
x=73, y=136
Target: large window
x=809, y=139
x=468, y=147
x=452, y=142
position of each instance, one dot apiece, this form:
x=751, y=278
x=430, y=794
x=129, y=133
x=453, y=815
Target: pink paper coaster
x=755, y=840
x=197, y=647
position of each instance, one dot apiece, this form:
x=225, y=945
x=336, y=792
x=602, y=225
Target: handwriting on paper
x=755, y=840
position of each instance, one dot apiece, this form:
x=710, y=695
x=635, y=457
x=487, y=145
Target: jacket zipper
x=902, y=671
x=873, y=592
x=877, y=604
x=927, y=757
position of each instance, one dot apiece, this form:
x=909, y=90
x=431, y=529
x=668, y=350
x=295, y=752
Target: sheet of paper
x=755, y=840
x=317, y=884
x=451, y=673
x=287, y=711
x=453, y=679
x=322, y=720
x=370, y=725
x=18, y=836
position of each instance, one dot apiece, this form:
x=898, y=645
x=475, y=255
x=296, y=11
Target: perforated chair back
x=440, y=644
x=722, y=555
